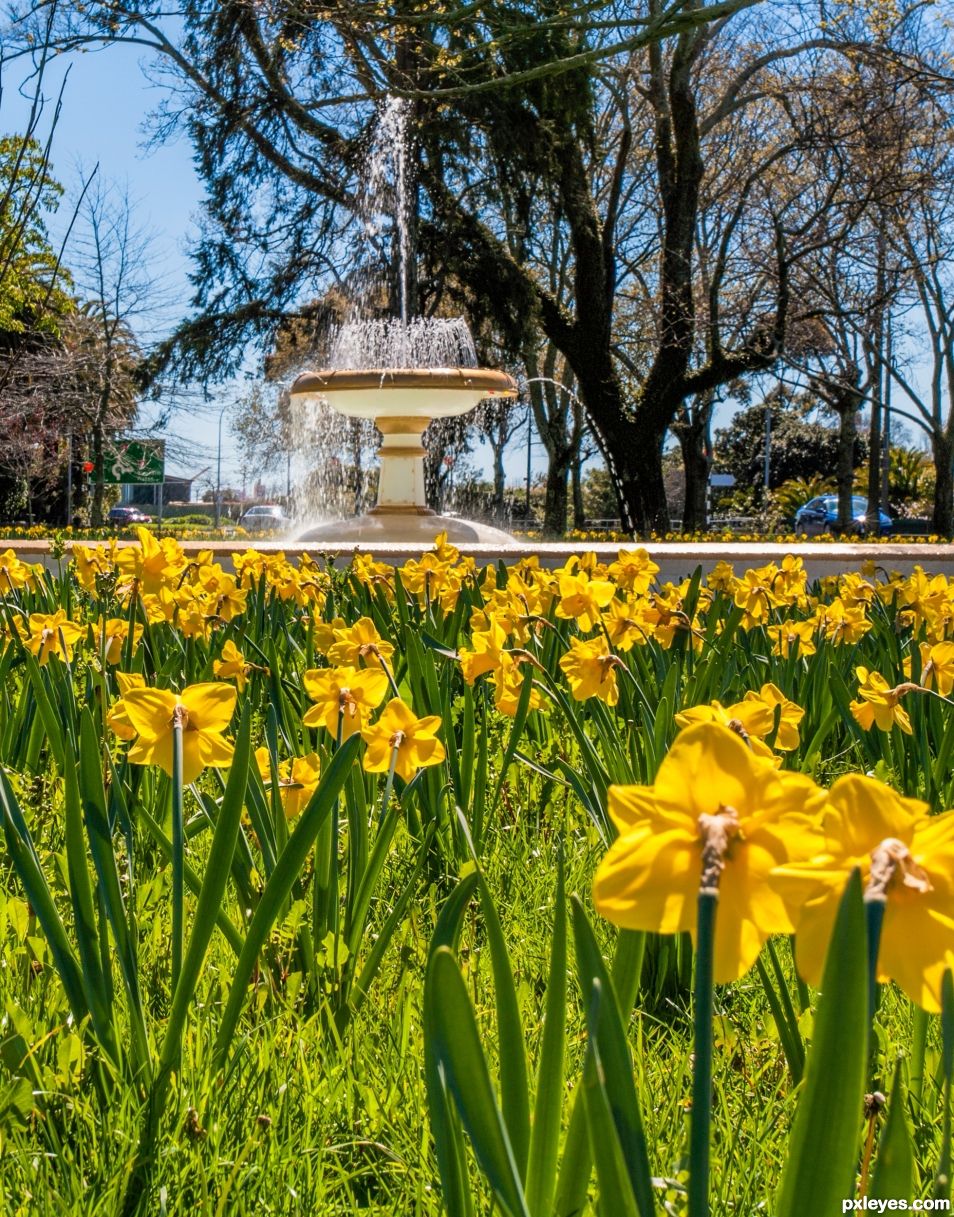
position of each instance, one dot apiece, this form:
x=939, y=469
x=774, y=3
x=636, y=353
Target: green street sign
x=135, y=461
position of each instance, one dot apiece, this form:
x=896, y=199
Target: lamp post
x=218, y=469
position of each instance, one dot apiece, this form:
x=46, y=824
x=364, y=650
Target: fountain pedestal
x=401, y=480
x=402, y=402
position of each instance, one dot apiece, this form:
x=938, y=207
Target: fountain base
x=413, y=527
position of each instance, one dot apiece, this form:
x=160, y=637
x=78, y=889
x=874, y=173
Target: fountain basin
x=424, y=393
x=402, y=402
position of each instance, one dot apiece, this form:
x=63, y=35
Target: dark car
x=127, y=515
x=820, y=515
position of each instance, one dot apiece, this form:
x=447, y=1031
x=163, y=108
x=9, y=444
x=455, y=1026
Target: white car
x=267, y=517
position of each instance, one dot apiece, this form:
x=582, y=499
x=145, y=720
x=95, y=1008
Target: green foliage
x=800, y=449
x=32, y=284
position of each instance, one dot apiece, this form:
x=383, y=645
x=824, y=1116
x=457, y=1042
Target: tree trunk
x=579, y=508
x=499, y=479
x=845, y=473
x=557, y=497
x=695, y=463
x=943, y=449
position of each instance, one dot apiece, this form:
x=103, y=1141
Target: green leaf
x=463, y=1069
x=942, y=1180
x=95, y=983
x=823, y=1149
x=211, y=893
x=514, y=1084
x=616, y=1191
x=610, y=1066
x=96, y=819
x=279, y=885
x=548, y=1107
x=893, y=1177
x=26, y=863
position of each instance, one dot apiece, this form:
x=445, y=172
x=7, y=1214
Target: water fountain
x=402, y=373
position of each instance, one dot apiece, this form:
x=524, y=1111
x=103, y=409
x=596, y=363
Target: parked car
x=267, y=517
x=820, y=515
x=127, y=515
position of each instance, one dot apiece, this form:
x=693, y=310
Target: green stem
x=178, y=855
x=874, y=918
x=919, y=1036
x=702, y=1063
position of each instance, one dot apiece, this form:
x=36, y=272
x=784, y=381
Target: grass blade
x=823, y=1149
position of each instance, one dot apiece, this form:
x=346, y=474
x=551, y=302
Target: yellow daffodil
x=937, y=667
x=879, y=703
x=52, y=634
x=583, y=598
x=590, y=670
x=117, y=720
x=485, y=656
x=842, y=625
x=297, y=779
x=205, y=710
x=151, y=563
x=710, y=787
x=360, y=642
x=633, y=571
x=110, y=635
x=14, y=574
x=507, y=679
x=904, y=853
x=625, y=623
x=400, y=734
x=750, y=719
x=90, y=562
x=791, y=634
x=786, y=738
x=232, y=665
x=343, y=696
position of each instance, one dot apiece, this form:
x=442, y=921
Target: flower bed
x=290, y=852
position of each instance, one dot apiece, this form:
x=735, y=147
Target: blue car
x=821, y=515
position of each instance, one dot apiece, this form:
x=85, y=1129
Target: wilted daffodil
x=204, y=710
x=879, y=703
x=343, y=696
x=297, y=779
x=400, y=735
x=53, y=634
x=718, y=810
x=906, y=858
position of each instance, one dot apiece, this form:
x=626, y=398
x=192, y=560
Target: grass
x=314, y=1114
